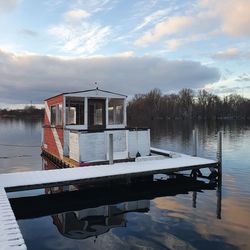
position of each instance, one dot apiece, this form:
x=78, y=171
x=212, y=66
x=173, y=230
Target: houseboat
x=90, y=127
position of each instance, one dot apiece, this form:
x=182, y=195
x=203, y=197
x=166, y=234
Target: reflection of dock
x=59, y=202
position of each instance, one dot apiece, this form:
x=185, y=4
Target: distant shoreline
x=27, y=113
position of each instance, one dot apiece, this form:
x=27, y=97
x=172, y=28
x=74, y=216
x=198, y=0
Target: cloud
x=171, y=26
x=243, y=78
x=208, y=18
x=155, y=16
x=27, y=77
x=8, y=5
x=234, y=15
x=228, y=54
x=173, y=44
x=76, y=15
x=231, y=54
x=82, y=38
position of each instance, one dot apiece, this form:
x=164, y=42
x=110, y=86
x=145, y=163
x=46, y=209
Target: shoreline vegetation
x=29, y=112
x=154, y=106
x=186, y=105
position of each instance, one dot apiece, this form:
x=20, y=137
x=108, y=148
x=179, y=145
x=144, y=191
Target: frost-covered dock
x=92, y=174
x=10, y=235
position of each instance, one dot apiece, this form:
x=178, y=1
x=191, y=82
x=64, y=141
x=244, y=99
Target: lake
x=176, y=214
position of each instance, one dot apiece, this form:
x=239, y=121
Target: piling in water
x=111, y=149
x=195, y=142
x=219, y=152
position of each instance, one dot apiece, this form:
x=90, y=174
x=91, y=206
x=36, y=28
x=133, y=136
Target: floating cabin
x=77, y=126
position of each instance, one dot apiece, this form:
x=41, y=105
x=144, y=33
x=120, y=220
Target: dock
x=82, y=175
x=165, y=162
x=10, y=235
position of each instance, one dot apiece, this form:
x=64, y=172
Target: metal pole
x=219, y=151
x=111, y=149
x=195, y=142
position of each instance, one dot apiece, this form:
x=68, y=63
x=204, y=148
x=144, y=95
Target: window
x=53, y=115
x=56, y=114
x=74, y=111
x=116, y=111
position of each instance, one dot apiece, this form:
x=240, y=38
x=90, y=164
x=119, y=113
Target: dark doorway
x=96, y=114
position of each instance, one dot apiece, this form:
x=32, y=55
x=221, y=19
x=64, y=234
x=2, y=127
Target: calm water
x=168, y=216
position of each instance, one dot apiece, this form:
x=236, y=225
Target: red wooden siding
x=49, y=140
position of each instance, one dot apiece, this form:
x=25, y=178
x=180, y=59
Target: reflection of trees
x=144, y=108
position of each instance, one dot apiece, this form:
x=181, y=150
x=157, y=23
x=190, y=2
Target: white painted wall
x=66, y=142
x=74, y=146
x=139, y=141
x=95, y=146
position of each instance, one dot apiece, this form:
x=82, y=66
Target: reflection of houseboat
x=96, y=221
x=77, y=126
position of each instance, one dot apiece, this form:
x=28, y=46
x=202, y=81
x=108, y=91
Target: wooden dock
x=10, y=235
x=92, y=174
x=165, y=162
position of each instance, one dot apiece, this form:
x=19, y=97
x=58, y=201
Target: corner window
x=53, y=115
x=56, y=114
x=74, y=111
x=116, y=111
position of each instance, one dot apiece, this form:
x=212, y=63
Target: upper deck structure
x=77, y=127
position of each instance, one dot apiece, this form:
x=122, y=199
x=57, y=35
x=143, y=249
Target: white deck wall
x=74, y=146
x=94, y=146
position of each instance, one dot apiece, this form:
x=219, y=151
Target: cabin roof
x=84, y=91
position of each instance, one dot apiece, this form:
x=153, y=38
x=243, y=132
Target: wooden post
x=111, y=149
x=195, y=142
x=219, y=152
x=218, y=209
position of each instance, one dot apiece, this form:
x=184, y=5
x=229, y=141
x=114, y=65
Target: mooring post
x=219, y=152
x=111, y=149
x=195, y=142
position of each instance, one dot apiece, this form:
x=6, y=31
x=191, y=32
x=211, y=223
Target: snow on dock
x=66, y=176
x=10, y=235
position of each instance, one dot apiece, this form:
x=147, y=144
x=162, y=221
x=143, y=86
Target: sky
x=126, y=46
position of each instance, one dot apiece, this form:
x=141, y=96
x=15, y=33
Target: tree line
x=187, y=104
x=28, y=112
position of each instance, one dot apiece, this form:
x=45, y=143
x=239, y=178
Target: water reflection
x=93, y=222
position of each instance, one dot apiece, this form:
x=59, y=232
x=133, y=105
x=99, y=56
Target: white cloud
x=171, y=26
x=38, y=77
x=208, y=17
x=76, y=15
x=81, y=38
x=155, y=16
